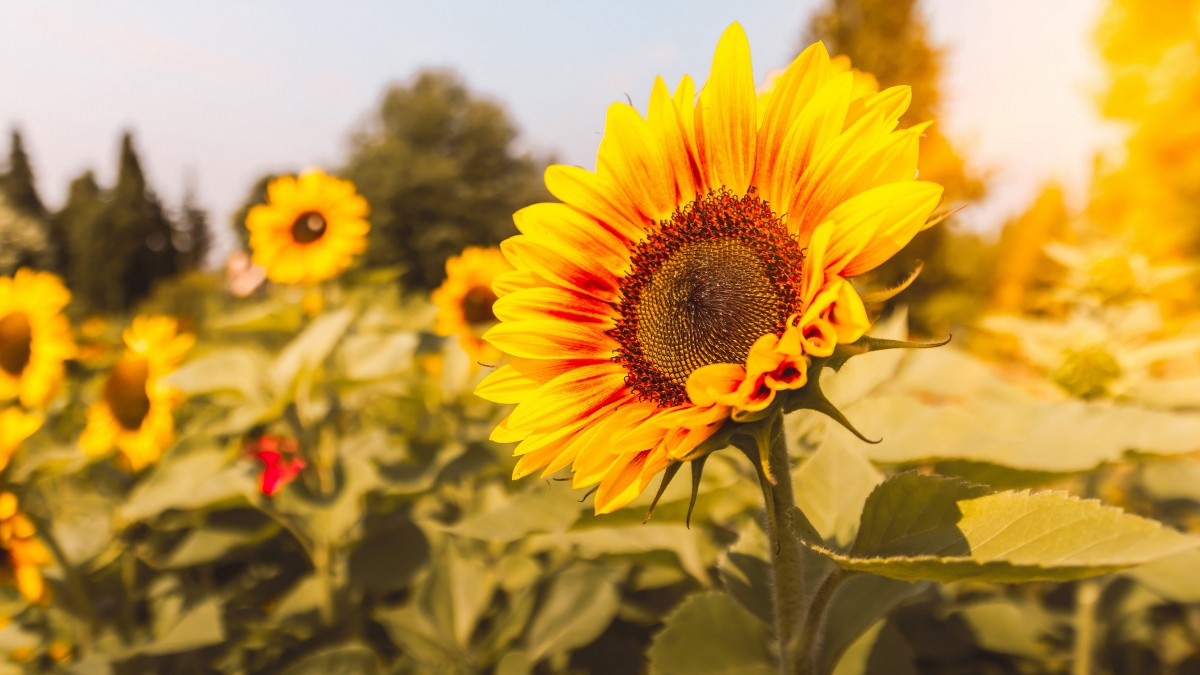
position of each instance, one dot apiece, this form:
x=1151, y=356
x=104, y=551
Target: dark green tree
x=74, y=225
x=126, y=247
x=439, y=167
x=193, y=235
x=889, y=39
x=18, y=183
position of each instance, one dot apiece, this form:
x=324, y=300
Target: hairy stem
x=813, y=631
x=1087, y=594
x=787, y=573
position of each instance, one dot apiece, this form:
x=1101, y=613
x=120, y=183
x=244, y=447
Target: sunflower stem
x=786, y=565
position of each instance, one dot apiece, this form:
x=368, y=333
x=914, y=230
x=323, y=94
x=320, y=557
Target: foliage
x=440, y=168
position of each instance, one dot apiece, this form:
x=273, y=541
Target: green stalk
x=1087, y=595
x=786, y=567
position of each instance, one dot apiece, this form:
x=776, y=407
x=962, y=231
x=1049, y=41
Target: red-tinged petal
x=727, y=115
x=549, y=302
x=570, y=268
x=665, y=122
x=710, y=384
x=571, y=396
x=636, y=161
x=795, y=87
x=597, y=197
x=619, y=486
x=551, y=340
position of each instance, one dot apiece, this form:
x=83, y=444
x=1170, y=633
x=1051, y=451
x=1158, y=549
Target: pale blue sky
x=225, y=90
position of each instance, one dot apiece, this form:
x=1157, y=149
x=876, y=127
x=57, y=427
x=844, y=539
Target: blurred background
x=323, y=496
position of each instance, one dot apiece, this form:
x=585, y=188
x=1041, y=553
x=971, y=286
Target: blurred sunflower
x=465, y=299
x=16, y=425
x=22, y=555
x=135, y=411
x=309, y=230
x=696, y=272
x=35, y=337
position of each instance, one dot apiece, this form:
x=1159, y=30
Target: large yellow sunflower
x=696, y=272
x=22, y=554
x=464, y=300
x=309, y=230
x=135, y=411
x=16, y=425
x=35, y=337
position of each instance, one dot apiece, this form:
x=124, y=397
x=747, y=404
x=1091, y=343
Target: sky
x=220, y=92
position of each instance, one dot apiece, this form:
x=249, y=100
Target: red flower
x=281, y=462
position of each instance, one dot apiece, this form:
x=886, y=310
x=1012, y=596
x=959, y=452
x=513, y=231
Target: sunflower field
x=743, y=398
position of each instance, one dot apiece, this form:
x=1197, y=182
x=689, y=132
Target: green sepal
x=810, y=397
x=697, y=472
x=668, y=476
x=866, y=344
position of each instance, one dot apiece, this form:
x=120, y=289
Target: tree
x=126, y=247
x=74, y=225
x=193, y=236
x=438, y=166
x=889, y=39
x=22, y=240
x=19, y=184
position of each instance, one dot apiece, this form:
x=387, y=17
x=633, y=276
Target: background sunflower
x=35, y=337
x=134, y=413
x=465, y=299
x=310, y=229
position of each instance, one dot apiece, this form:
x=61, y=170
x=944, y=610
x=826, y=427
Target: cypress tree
x=20, y=186
x=193, y=238
x=75, y=228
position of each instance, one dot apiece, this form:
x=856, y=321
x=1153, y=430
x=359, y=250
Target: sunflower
x=22, y=555
x=464, y=300
x=134, y=412
x=35, y=337
x=309, y=230
x=16, y=425
x=700, y=269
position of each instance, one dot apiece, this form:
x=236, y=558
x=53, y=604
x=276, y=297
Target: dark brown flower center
x=16, y=343
x=309, y=227
x=721, y=273
x=477, y=305
x=125, y=392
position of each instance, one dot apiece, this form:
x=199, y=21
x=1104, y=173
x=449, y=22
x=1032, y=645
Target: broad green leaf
x=577, y=607
x=389, y=555
x=831, y=487
x=310, y=348
x=209, y=544
x=457, y=593
x=548, y=510
x=860, y=602
x=942, y=529
x=710, y=634
x=515, y=662
x=199, y=627
x=238, y=369
x=374, y=357
x=1173, y=578
x=594, y=542
x=1010, y=627
x=1178, y=479
x=306, y=596
x=352, y=658
x=199, y=479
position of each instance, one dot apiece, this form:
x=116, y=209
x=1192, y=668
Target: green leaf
x=351, y=658
x=238, y=369
x=542, y=510
x=861, y=602
x=375, y=357
x=831, y=487
x=209, y=544
x=200, y=479
x=577, y=607
x=942, y=529
x=598, y=541
x=710, y=634
x=1173, y=578
x=199, y=627
x=310, y=348
x=945, y=405
x=1010, y=627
